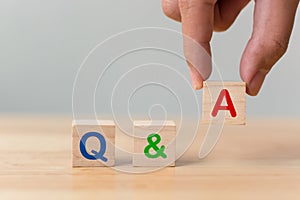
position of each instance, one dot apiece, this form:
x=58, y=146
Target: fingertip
x=196, y=78
x=198, y=86
x=256, y=83
x=251, y=92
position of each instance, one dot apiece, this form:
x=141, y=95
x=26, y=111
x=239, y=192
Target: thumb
x=273, y=23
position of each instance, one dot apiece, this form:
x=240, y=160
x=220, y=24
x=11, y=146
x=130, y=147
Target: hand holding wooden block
x=93, y=143
x=224, y=100
x=154, y=143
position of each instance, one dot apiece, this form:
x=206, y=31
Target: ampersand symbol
x=153, y=145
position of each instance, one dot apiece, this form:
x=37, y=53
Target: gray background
x=42, y=44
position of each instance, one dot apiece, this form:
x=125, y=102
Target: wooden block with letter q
x=93, y=143
x=224, y=101
x=154, y=143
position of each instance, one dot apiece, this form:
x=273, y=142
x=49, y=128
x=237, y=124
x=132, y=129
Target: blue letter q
x=97, y=155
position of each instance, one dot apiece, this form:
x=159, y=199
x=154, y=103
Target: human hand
x=272, y=27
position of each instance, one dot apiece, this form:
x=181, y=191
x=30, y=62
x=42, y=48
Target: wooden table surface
x=258, y=161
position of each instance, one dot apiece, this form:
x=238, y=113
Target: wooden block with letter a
x=93, y=143
x=224, y=101
x=154, y=143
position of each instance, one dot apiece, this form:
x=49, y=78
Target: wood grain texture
x=211, y=92
x=166, y=130
x=105, y=128
x=258, y=161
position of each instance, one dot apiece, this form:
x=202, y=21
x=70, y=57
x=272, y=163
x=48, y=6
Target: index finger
x=197, y=17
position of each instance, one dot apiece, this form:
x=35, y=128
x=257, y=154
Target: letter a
x=218, y=106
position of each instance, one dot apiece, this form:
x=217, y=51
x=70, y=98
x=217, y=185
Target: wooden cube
x=163, y=150
x=224, y=101
x=93, y=143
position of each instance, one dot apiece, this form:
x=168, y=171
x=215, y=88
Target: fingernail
x=256, y=83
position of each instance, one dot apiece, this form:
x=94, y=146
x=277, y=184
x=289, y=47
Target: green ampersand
x=153, y=145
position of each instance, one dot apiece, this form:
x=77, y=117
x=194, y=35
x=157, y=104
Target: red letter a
x=218, y=106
